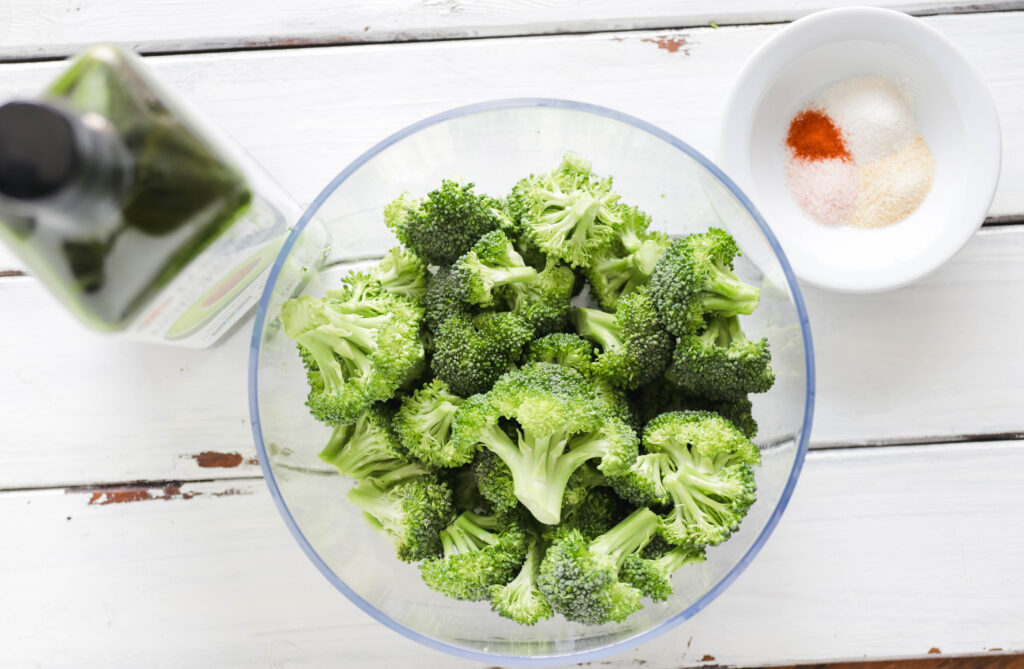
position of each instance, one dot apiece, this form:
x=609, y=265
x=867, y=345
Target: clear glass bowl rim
x=458, y=651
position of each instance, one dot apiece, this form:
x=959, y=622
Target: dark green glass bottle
x=129, y=208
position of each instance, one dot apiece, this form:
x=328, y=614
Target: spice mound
x=855, y=156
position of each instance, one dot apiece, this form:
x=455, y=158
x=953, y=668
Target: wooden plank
x=46, y=28
x=305, y=114
x=874, y=558
x=927, y=362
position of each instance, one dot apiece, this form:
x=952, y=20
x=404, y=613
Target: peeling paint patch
x=208, y=459
x=618, y=39
x=11, y=272
x=144, y=493
x=934, y=651
x=670, y=43
x=708, y=658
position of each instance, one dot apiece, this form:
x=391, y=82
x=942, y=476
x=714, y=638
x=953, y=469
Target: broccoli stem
x=673, y=561
x=627, y=537
x=501, y=276
x=598, y=326
x=646, y=256
x=728, y=294
x=468, y=533
x=522, y=585
x=373, y=500
x=540, y=472
x=356, y=454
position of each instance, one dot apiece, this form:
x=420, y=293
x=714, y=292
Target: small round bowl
x=955, y=116
x=494, y=144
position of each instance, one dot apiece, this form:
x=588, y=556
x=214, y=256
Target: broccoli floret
x=494, y=481
x=643, y=484
x=492, y=264
x=561, y=348
x=442, y=301
x=707, y=475
x=635, y=347
x=721, y=363
x=445, y=224
x=592, y=514
x=400, y=273
x=628, y=262
x=580, y=577
x=479, y=552
x=470, y=353
x=694, y=278
x=424, y=425
x=521, y=600
x=364, y=351
x=368, y=447
x=408, y=507
x=582, y=482
x=568, y=213
x=544, y=303
x=558, y=425
x=662, y=396
x=652, y=577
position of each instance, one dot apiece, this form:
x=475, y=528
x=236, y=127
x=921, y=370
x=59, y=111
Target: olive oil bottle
x=133, y=211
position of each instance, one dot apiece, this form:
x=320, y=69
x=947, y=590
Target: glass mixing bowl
x=494, y=144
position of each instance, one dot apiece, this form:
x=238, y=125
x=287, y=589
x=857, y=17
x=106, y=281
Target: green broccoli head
x=628, y=262
x=663, y=395
x=592, y=510
x=364, y=351
x=494, y=481
x=402, y=273
x=562, y=348
x=580, y=577
x=694, y=277
x=442, y=301
x=568, y=213
x=445, y=224
x=635, y=347
x=710, y=481
x=653, y=577
x=409, y=508
x=470, y=353
x=552, y=423
x=520, y=599
x=366, y=448
x=479, y=552
x=720, y=363
x=643, y=484
x=424, y=424
x=492, y=264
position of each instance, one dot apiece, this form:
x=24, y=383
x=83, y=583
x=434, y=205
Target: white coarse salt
x=825, y=189
x=893, y=187
x=873, y=113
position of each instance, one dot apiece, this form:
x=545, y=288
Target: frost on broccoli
x=635, y=347
x=720, y=363
x=694, y=278
x=569, y=213
x=363, y=351
x=580, y=577
x=445, y=224
x=479, y=552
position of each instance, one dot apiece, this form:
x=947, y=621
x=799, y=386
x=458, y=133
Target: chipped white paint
x=38, y=28
x=874, y=557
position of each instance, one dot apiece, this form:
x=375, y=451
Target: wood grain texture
x=977, y=662
x=206, y=575
x=927, y=362
x=47, y=28
x=305, y=114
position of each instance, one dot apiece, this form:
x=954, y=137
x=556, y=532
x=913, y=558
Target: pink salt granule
x=825, y=189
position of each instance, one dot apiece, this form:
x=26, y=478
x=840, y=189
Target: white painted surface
x=38, y=28
x=884, y=552
x=928, y=362
x=305, y=114
x=874, y=557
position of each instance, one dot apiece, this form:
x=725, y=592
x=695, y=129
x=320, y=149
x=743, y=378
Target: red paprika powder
x=813, y=136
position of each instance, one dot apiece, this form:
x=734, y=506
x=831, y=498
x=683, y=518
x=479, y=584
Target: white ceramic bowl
x=955, y=116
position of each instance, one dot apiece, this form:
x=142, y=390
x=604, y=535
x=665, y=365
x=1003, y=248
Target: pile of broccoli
x=544, y=450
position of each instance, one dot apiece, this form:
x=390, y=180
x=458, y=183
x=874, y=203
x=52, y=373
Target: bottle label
x=222, y=285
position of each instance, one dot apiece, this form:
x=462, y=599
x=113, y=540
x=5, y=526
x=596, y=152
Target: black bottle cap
x=39, y=150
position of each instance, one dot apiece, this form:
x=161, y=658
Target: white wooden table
x=136, y=530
